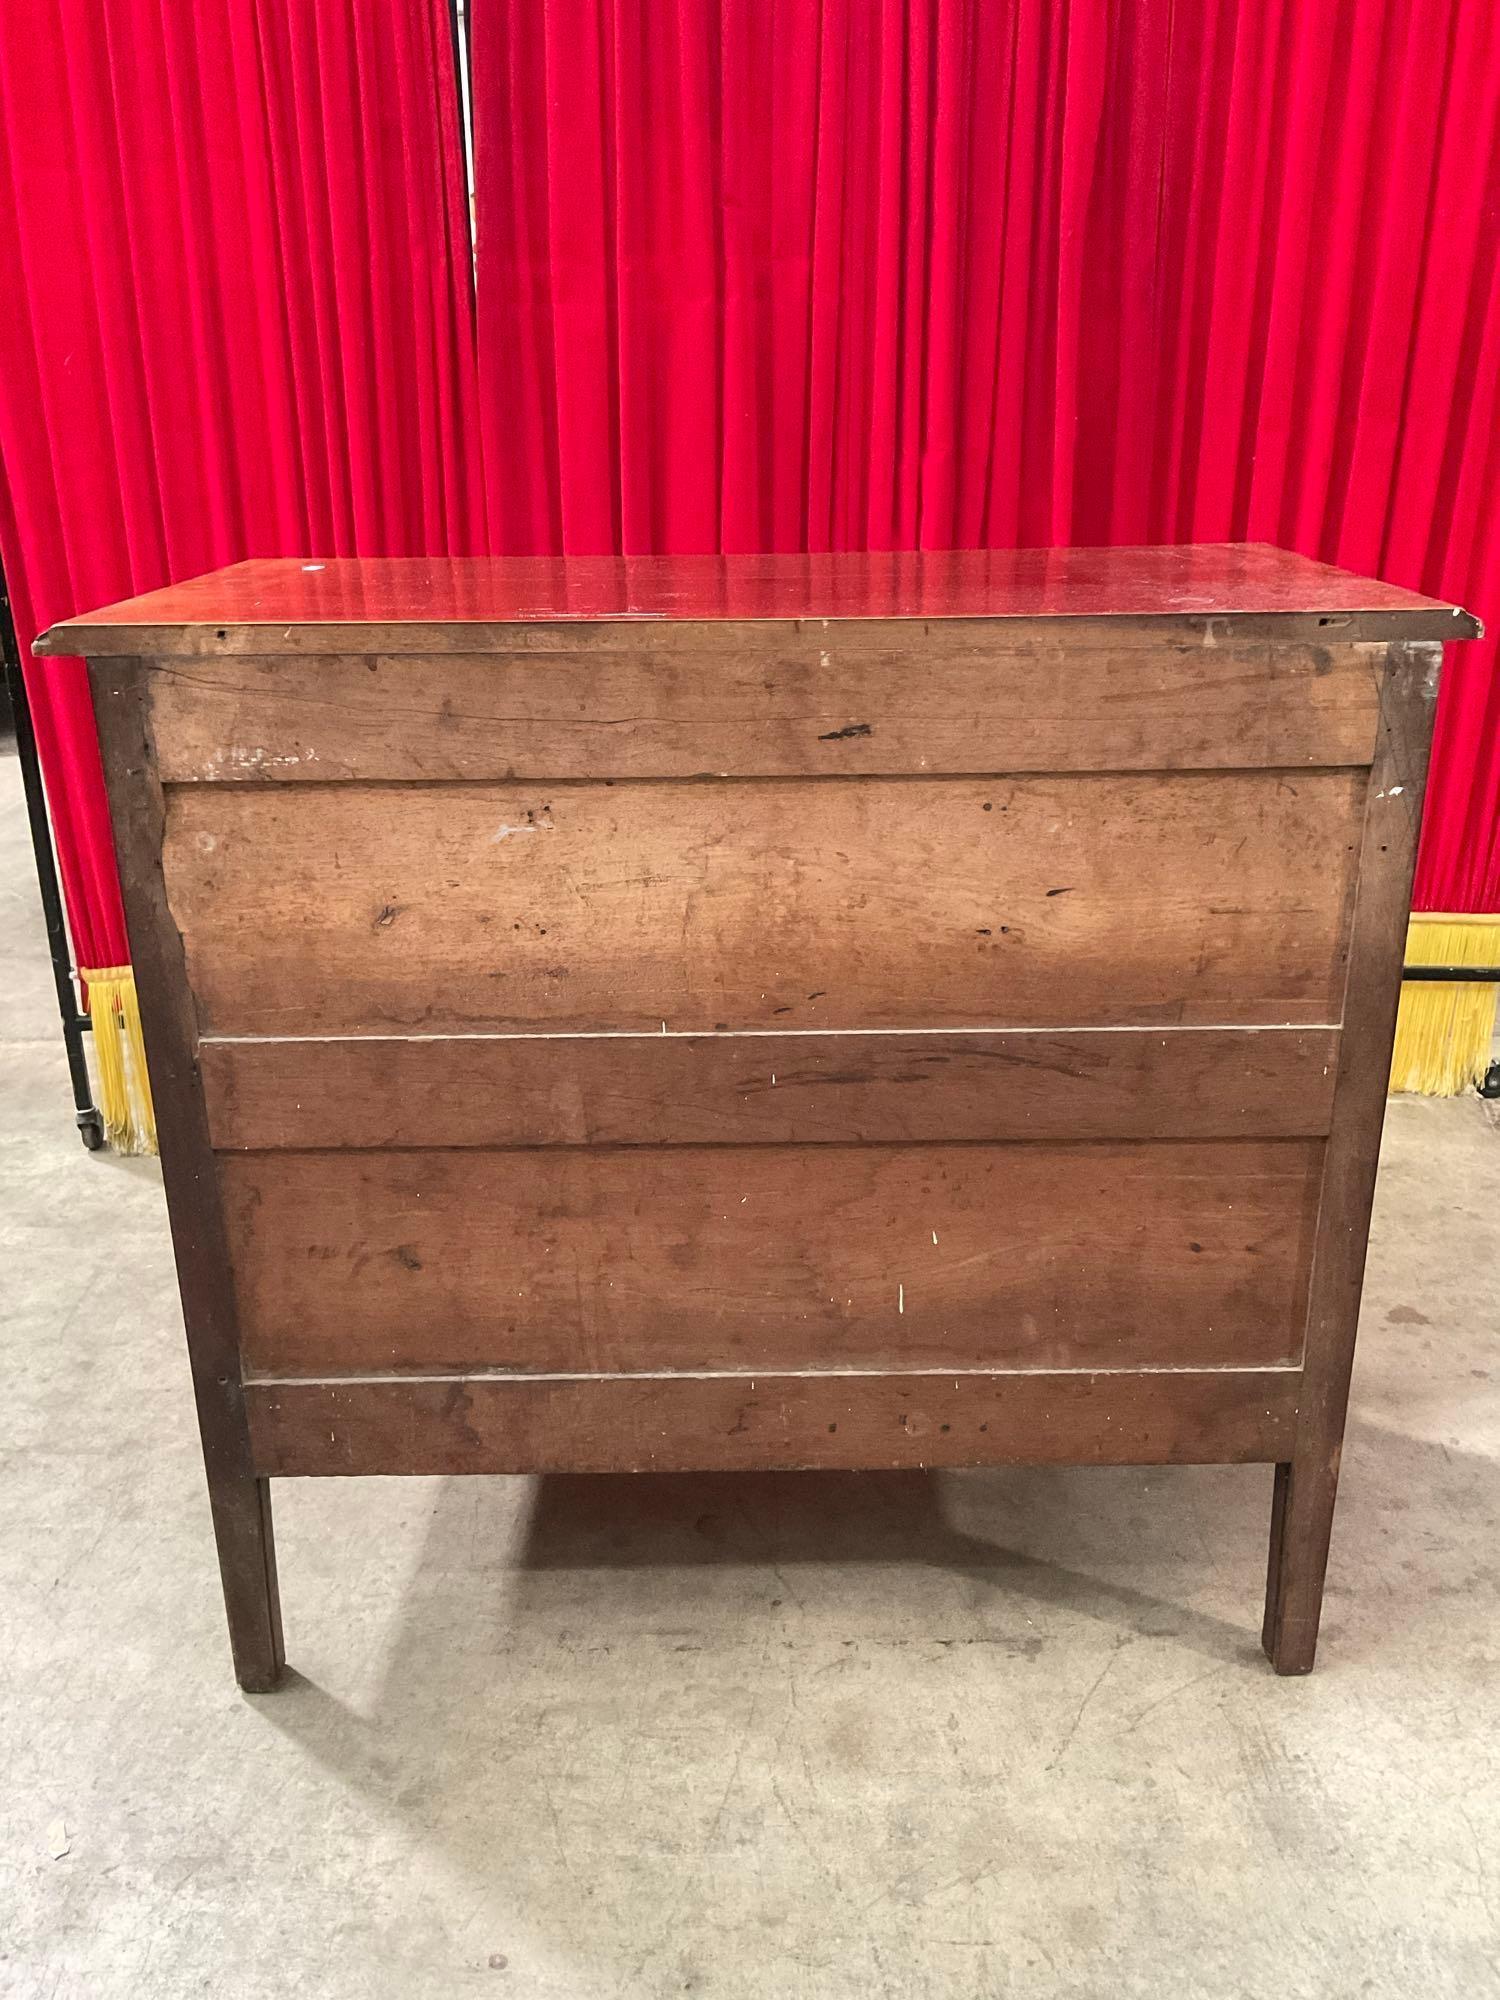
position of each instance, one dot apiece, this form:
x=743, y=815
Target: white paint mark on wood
x=239, y=757
x=505, y=831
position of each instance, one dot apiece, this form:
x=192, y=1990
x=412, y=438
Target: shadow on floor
x=547, y=1712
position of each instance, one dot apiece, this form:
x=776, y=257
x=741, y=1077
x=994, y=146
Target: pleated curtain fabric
x=792, y=274
x=238, y=320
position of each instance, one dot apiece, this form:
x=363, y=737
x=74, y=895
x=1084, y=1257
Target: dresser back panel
x=643, y=1008
x=620, y=1259
x=1049, y=901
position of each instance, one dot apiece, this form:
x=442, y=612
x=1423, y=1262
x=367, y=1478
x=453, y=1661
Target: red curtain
x=882, y=273
x=234, y=260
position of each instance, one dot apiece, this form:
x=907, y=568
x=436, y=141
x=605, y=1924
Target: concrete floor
x=822, y=1735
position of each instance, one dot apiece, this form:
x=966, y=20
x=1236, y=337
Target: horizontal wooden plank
x=733, y=1423
x=546, y=1090
x=608, y=1259
x=451, y=599
x=936, y=701
x=875, y=903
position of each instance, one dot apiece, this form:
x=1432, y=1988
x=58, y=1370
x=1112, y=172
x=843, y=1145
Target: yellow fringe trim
x=1444, y=1031
x=120, y=1058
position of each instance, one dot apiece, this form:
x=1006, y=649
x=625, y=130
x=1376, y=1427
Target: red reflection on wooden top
x=1207, y=580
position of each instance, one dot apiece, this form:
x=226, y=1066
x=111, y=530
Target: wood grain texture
x=605, y=1259
x=1307, y=1483
x=734, y=1423
x=568, y=1090
x=1066, y=901
x=944, y=700
x=331, y=605
x=239, y=1500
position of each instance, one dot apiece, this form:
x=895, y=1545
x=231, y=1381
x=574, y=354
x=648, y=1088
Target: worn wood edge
x=831, y=1087
x=690, y=1423
x=238, y=1499
x=1307, y=1482
x=206, y=640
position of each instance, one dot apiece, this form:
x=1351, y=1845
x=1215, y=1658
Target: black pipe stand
x=75, y=1023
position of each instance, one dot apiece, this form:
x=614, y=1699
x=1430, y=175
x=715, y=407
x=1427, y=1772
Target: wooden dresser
x=892, y=1010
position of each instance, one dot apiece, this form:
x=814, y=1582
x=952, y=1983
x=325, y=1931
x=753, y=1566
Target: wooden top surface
x=334, y=601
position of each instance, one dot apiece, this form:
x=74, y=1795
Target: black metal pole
x=460, y=18
x=1478, y=975
x=75, y=1022
x=456, y=31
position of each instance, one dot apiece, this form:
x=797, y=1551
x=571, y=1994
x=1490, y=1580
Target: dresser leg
x=247, y=1569
x=1301, y=1524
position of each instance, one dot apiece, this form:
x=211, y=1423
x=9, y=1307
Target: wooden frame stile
x=1306, y=1485
x=239, y=1498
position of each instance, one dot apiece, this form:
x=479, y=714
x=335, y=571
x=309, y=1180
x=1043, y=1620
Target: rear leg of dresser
x=1301, y=1526
x=241, y=1507
x=239, y=1497
x=1307, y=1484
